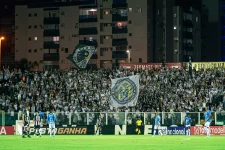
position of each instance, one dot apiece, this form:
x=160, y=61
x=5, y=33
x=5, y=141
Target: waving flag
x=125, y=91
x=81, y=55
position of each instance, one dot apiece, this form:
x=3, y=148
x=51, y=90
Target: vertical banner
x=125, y=91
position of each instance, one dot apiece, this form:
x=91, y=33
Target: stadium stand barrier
x=117, y=118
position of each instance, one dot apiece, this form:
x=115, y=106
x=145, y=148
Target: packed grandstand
x=162, y=90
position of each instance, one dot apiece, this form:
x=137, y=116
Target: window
x=130, y=22
x=66, y=50
x=29, y=50
x=55, y=38
x=29, y=27
x=174, y=15
x=140, y=60
x=130, y=9
x=90, y=39
x=35, y=14
x=35, y=38
x=62, y=37
x=139, y=10
x=196, y=19
x=130, y=47
x=17, y=15
x=130, y=34
x=35, y=26
x=62, y=13
x=102, y=50
x=29, y=39
x=35, y=50
x=106, y=12
x=29, y=15
x=175, y=27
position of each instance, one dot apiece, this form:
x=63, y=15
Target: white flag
x=125, y=91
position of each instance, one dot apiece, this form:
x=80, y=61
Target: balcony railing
x=51, y=44
x=120, y=54
x=51, y=32
x=119, y=5
x=119, y=30
x=119, y=17
x=51, y=20
x=88, y=31
x=188, y=35
x=51, y=57
x=119, y=42
x=88, y=18
x=87, y=42
x=188, y=23
x=167, y=118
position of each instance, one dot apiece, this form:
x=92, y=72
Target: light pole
x=128, y=52
x=2, y=38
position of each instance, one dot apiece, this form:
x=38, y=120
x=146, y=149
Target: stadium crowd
x=168, y=90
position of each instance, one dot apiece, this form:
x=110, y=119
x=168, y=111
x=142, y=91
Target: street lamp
x=1, y=38
x=128, y=52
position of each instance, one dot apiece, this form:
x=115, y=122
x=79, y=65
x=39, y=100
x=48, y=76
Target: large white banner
x=125, y=91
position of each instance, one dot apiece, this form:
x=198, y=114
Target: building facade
x=7, y=30
x=124, y=31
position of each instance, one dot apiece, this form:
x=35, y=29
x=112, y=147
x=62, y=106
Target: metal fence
x=117, y=118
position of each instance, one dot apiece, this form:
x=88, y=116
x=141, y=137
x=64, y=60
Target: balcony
x=188, y=23
x=116, y=30
x=52, y=20
x=119, y=5
x=119, y=42
x=188, y=47
x=186, y=58
x=54, y=45
x=51, y=57
x=90, y=43
x=118, y=17
x=188, y=35
x=88, y=31
x=51, y=32
x=119, y=54
x=88, y=18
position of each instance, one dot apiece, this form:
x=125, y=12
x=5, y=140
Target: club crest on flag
x=81, y=55
x=125, y=91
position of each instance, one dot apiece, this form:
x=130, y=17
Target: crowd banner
x=81, y=55
x=205, y=65
x=6, y=130
x=125, y=91
x=148, y=66
x=214, y=130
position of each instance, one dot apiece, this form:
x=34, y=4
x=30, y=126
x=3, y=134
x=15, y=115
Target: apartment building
x=123, y=31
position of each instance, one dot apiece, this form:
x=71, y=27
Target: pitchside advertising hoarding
x=214, y=130
x=6, y=130
x=116, y=130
